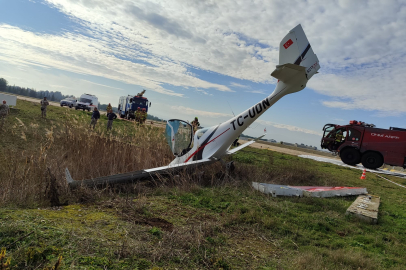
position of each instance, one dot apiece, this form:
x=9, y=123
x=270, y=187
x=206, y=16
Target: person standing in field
x=44, y=105
x=195, y=124
x=110, y=116
x=235, y=143
x=109, y=108
x=4, y=111
x=95, y=117
x=138, y=115
x=144, y=115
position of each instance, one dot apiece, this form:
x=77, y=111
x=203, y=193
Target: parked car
x=70, y=102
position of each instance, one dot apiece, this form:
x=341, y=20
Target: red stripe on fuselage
x=201, y=147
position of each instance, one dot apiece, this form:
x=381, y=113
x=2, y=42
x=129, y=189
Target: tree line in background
x=51, y=95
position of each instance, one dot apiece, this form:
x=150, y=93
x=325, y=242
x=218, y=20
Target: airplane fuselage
x=216, y=140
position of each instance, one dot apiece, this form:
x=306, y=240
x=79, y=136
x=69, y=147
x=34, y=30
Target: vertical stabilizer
x=295, y=49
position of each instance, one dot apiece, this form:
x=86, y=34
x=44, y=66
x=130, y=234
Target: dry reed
x=26, y=176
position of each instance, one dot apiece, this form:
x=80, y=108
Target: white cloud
x=84, y=55
x=288, y=127
x=194, y=112
x=256, y=92
x=203, y=92
x=360, y=45
x=239, y=85
x=103, y=85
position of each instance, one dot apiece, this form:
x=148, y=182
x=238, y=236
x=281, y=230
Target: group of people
x=5, y=110
x=140, y=115
x=96, y=116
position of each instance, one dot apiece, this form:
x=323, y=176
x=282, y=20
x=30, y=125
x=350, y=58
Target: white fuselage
x=215, y=142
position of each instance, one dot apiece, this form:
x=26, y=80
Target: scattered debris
x=277, y=190
x=307, y=191
x=324, y=192
x=365, y=207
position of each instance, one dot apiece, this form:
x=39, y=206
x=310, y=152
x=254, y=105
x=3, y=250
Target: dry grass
x=32, y=176
x=333, y=259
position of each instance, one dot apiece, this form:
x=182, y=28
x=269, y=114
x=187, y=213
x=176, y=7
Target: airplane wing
x=243, y=145
x=135, y=176
x=286, y=71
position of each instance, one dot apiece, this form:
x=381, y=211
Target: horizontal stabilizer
x=244, y=145
x=287, y=71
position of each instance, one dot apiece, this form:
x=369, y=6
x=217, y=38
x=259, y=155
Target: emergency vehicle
x=127, y=105
x=87, y=102
x=363, y=143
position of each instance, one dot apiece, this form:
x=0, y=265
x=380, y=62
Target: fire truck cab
x=363, y=143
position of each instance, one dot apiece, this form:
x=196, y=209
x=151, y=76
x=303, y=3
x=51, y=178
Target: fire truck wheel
x=372, y=160
x=350, y=156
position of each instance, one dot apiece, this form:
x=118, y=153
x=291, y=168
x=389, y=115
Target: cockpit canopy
x=179, y=135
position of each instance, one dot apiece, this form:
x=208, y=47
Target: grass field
x=196, y=221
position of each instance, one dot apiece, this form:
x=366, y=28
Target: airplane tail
x=295, y=49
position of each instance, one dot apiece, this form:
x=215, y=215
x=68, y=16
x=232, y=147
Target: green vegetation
x=214, y=221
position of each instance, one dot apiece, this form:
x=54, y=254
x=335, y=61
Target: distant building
x=305, y=146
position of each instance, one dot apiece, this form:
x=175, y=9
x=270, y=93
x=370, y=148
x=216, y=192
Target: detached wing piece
x=135, y=176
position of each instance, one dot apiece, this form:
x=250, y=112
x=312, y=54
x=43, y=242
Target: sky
x=212, y=59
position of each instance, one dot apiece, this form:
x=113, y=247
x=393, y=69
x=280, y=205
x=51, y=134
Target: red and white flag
x=288, y=43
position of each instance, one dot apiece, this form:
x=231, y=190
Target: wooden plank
x=365, y=207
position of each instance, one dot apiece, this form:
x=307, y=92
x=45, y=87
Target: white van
x=87, y=102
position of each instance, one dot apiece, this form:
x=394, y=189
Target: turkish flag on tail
x=288, y=43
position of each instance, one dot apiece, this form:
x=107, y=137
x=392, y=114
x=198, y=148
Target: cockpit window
x=179, y=134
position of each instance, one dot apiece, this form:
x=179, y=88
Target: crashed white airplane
x=297, y=64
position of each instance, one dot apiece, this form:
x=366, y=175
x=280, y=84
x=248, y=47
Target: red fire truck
x=361, y=142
